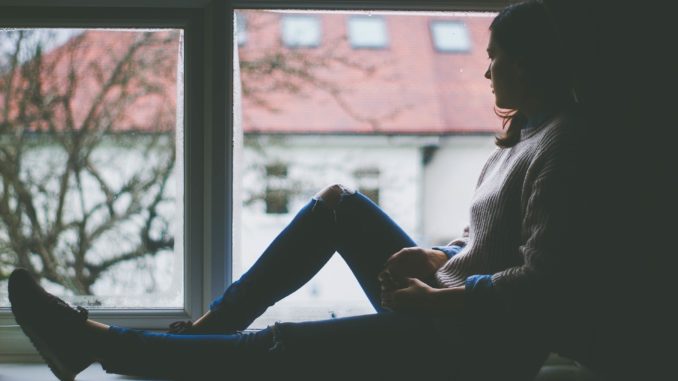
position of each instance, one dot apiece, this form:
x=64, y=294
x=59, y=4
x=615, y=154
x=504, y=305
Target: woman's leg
x=337, y=219
x=379, y=346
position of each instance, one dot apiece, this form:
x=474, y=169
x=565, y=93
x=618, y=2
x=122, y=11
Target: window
x=301, y=31
x=367, y=32
x=368, y=183
x=450, y=36
x=364, y=118
x=137, y=168
x=277, y=192
x=99, y=166
x=241, y=28
x=204, y=166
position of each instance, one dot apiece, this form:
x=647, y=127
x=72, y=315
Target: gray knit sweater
x=518, y=214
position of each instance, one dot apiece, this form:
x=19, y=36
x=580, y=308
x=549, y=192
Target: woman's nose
x=487, y=73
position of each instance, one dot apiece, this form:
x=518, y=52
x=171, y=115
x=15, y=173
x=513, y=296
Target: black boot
x=56, y=329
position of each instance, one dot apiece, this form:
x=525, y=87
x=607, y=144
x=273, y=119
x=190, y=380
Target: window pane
x=408, y=127
x=450, y=36
x=277, y=192
x=367, y=32
x=89, y=182
x=367, y=180
x=301, y=31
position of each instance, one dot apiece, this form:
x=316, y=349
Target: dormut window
x=368, y=182
x=277, y=189
x=301, y=31
x=450, y=36
x=367, y=32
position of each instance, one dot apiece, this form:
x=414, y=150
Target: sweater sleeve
x=480, y=296
x=544, y=230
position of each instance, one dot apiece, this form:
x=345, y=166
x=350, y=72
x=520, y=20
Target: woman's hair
x=527, y=33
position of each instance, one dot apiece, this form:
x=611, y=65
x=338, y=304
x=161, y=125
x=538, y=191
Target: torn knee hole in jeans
x=332, y=197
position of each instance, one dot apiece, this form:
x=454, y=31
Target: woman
x=476, y=308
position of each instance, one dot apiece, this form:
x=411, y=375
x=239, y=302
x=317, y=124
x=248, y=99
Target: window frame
x=208, y=37
x=206, y=233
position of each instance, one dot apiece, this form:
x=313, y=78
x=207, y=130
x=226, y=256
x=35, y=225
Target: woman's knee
x=332, y=194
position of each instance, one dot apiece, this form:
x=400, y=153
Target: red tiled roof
x=429, y=92
x=91, y=58
x=413, y=90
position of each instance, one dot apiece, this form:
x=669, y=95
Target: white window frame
x=208, y=125
x=207, y=174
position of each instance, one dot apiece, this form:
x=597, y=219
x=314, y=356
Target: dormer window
x=367, y=32
x=450, y=36
x=301, y=31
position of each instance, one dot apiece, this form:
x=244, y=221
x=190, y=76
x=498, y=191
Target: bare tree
x=270, y=67
x=87, y=147
x=65, y=134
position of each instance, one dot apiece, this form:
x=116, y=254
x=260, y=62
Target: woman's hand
x=415, y=262
x=416, y=296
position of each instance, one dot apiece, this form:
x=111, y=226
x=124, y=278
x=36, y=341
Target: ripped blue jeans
x=381, y=345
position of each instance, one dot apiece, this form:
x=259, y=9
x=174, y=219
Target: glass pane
x=409, y=127
x=90, y=174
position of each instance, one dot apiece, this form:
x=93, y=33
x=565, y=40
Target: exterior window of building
x=241, y=28
x=301, y=31
x=368, y=183
x=367, y=32
x=450, y=36
x=277, y=192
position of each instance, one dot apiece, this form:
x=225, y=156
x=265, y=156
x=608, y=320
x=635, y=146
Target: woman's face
x=505, y=74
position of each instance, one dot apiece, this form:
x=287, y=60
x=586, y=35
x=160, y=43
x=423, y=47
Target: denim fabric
x=380, y=346
x=386, y=345
x=160, y=355
x=450, y=250
x=356, y=228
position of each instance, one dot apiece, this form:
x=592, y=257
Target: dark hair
x=526, y=32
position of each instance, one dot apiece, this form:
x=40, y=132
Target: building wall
x=449, y=181
x=429, y=201
x=314, y=162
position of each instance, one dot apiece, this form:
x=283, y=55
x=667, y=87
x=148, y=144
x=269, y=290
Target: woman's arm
x=418, y=297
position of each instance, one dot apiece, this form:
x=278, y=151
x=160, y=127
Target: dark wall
x=626, y=201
